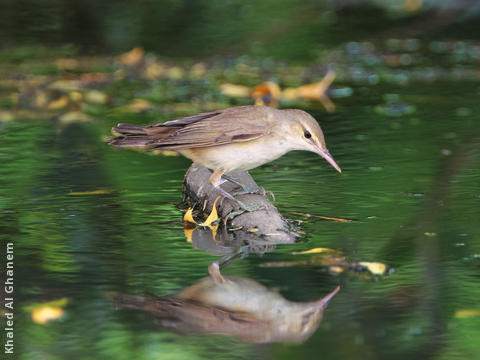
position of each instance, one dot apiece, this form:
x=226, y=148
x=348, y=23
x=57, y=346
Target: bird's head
x=306, y=134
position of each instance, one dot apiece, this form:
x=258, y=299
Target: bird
x=238, y=138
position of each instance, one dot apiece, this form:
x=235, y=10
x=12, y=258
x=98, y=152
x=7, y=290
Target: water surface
x=410, y=181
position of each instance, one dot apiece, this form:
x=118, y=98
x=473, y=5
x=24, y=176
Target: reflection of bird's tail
x=136, y=136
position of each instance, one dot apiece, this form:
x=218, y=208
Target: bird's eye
x=307, y=134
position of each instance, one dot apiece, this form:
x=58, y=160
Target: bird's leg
x=215, y=267
x=216, y=181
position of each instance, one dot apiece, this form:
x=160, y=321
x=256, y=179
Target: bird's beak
x=326, y=155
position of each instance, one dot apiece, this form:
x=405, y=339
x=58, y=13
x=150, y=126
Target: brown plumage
x=206, y=129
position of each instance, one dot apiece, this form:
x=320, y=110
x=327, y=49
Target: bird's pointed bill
x=327, y=156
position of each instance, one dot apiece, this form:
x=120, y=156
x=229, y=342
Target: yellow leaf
x=93, y=192
x=376, y=268
x=44, y=314
x=314, y=251
x=332, y=218
x=460, y=314
x=188, y=217
x=213, y=215
x=323, y=217
x=60, y=103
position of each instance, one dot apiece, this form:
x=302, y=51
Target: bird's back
x=221, y=127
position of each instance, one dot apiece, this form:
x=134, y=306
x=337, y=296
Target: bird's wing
x=217, y=128
x=187, y=120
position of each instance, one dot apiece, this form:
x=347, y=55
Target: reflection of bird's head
x=303, y=318
x=266, y=93
x=304, y=133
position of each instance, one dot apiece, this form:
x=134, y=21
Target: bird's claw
x=267, y=193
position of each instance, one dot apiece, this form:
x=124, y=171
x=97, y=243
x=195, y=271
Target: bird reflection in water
x=235, y=306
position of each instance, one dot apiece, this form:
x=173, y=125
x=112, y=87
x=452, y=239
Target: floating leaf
x=93, y=192
x=460, y=314
x=332, y=218
x=323, y=217
x=376, y=268
x=59, y=103
x=314, y=251
x=44, y=314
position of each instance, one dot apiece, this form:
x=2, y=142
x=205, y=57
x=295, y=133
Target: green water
x=411, y=182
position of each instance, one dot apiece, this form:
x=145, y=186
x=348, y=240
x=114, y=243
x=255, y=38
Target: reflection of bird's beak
x=322, y=303
x=326, y=155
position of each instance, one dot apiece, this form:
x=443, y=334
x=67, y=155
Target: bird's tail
x=135, y=136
